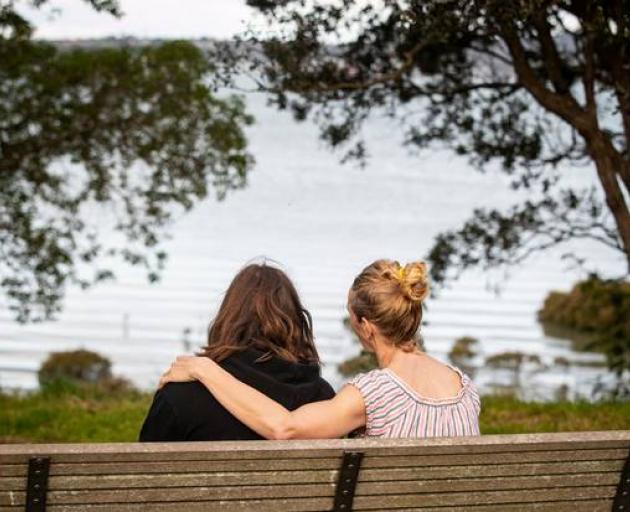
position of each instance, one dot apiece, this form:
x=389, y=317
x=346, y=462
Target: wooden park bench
x=569, y=472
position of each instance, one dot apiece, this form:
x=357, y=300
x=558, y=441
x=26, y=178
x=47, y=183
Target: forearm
x=256, y=410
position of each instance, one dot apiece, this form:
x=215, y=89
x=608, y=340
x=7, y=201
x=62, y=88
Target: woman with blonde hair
x=410, y=395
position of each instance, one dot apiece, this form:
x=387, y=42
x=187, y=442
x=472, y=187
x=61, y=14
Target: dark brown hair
x=262, y=310
x=390, y=296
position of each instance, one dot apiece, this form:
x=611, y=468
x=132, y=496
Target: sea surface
x=323, y=222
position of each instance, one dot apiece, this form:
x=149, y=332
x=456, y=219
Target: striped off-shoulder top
x=394, y=409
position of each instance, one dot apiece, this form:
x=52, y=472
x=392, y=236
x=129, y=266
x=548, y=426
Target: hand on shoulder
x=186, y=369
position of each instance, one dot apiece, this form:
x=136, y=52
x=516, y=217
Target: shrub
x=597, y=311
x=77, y=366
x=512, y=360
x=463, y=353
x=364, y=362
x=519, y=364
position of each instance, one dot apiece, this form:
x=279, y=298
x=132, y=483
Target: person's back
x=262, y=335
x=186, y=411
x=401, y=404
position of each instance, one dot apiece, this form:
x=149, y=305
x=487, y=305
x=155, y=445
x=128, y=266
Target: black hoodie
x=187, y=411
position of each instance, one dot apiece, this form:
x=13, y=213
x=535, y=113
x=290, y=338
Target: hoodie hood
x=301, y=382
x=280, y=369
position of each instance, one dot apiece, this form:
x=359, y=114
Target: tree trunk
x=609, y=163
x=605, y=165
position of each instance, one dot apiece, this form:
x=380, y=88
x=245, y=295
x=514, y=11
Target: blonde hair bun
x=390, y=296
x=414, y=281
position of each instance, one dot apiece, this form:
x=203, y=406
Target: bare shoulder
x=351, y=399
x=349, y=393
x=451, y=377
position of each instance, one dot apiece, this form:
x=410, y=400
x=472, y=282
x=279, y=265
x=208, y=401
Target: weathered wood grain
x=178, y=494
x=273, y=477
x=570, y=472
x=490, y=470
x=493, y=458
x=295, y=464
x=285, y=505
x=535, y=483
x=601, y=505
x=554, y=506
x=382, y=446
x=465, y=499
x=177, y=480
x=497, y=501
x=255, y=450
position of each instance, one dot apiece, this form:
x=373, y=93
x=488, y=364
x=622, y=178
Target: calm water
x=323, y=222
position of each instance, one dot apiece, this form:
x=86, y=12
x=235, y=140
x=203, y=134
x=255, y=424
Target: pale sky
x=142, y=18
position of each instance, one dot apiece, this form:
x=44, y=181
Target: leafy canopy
x=93, y=139
x=538, y=87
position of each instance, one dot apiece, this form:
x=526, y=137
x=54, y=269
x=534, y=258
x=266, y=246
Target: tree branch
x=550, y=52
x=564, y=106
x=589, y=77
x=493, y=54
x=396, y=74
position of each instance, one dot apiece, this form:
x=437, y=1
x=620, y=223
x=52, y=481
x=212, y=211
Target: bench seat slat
x=481, y=498
x=543, y=468
x=281, y=464
x=501, y=499
x=538, y=486
x=271, y=477
x=177, y=480
x=115, y=468
x=484, y=484
x=284, y=505
x=550, y=506
x=179, y=494
x=514, y=458
x=554, y=506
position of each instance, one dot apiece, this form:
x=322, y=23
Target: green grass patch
x=72, y=414
x=504, y=415
x=69, y=413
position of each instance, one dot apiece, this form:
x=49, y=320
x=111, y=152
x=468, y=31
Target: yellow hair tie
x=401, y=274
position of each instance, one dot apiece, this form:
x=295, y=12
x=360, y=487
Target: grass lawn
x=502, y=415
x=78, y=415
x=69, y=414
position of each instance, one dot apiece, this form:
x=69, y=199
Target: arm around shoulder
x=327, y=419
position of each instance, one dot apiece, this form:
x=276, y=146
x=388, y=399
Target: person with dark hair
x=261, y=335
